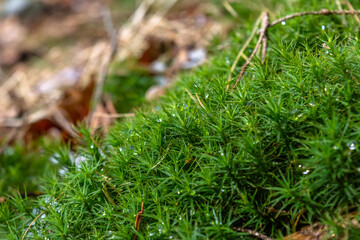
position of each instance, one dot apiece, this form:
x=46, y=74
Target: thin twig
x=197, y=96
x=265, y=38
x=321, y=12
x=113, y=35
x=191, y=96
x=343, y=19
x=252, y=232
x=352, y=9
x=230, y=9
x=37, y=217
x=246, y=44
x=297, y=219
x=264, y=27
x=138, y=219
x=41, y=213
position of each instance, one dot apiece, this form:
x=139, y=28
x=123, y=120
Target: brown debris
x=64, y=87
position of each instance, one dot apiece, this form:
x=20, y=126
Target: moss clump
x=278, y=152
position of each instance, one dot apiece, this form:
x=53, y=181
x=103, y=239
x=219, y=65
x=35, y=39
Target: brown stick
x=321, y=12
x=265, y=37
x=352, y=9
x=343, y=19
x=37, y=217
x=265, y=26
x=138, y=219
x=262, y=31
x=252, y=232
x=246, y=44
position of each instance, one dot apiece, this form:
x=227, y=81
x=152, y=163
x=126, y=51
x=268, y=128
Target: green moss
x=283, y=144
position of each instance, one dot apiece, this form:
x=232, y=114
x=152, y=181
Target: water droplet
x=227, y=60
x=135, y=154
x=250, y=50
x=222, y=154
x=102, y=169
x=337, y=99
x=92, y=146
x=159, y=120
x=327, y=52
x=171, y=237
x=120, y=149
x=312, y=104
x=325, y=89
x=206, y=96
x=222, y=190
x=192, y=212
x=352, y=147
x=283, y=23
x=323, y=27
x=180, y=218
x=173, y=115
x=335, y=147
x=132, y=147
x=358, y=169
x=306, y=172
x=294, y=111
x=300, y=166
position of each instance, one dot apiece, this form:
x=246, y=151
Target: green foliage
x=21, y=167
x=283, y=145
x=127, y=90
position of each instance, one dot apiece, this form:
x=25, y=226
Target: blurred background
x=68, y=63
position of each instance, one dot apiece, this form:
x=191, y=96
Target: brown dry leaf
x=73, y=108
x=319, y=231
x=12, y=34
x=103, y=116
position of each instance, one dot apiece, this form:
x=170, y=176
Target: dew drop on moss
x=283, y=23
x=352, y=147
x=227, y=60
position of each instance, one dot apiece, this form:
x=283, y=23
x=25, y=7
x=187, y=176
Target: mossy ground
x=282, y=146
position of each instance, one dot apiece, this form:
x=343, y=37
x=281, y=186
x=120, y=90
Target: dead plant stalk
x=263, y=38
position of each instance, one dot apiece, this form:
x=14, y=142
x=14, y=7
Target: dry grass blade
x=321, y=12
x=263, y=31
x=348, y=4
x=37, y=217
x=265, y=38
x=253, y=233
x=343, y=19
x=246, y=44
x=138, y=219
